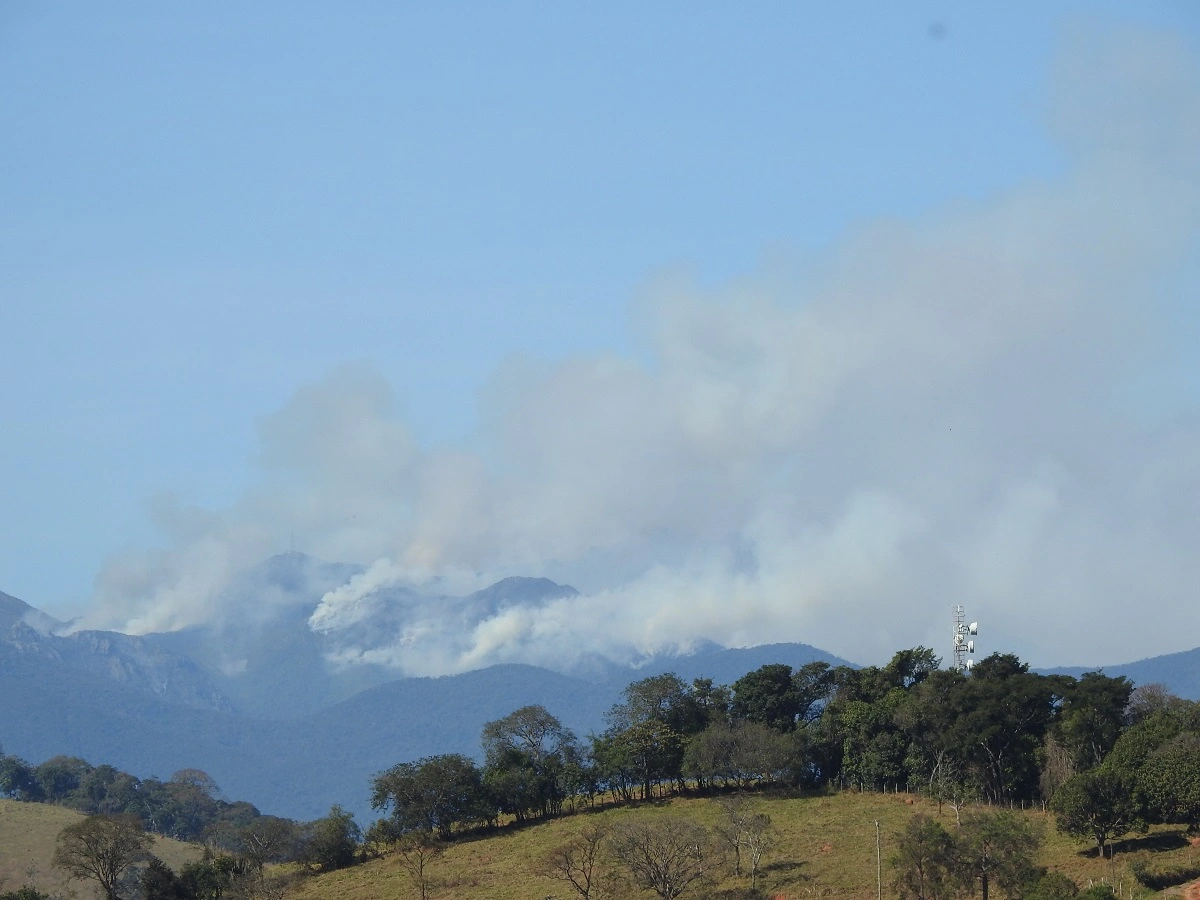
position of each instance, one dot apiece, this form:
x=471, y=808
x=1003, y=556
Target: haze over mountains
x=293, y=702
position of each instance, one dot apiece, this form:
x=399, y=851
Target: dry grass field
x=825, y=847
x=27, y=838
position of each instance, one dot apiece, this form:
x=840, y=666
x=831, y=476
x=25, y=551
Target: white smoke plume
x=979, y=407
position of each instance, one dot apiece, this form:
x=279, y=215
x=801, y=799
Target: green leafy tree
x=530, y=729
x=18, y=781
x=739, y=755
x=926, y=716
x=92, y=790
x=158, y=881
x=712, y=700
x=649, y=731
x=198, y=780
x=433, y=794
x=215, y=875
x=873, y=746
x=661, y=698
x=1052, y=886
x=187, y=804
x=909, y=668
x=999, y=667
x=519, y=786
x=1092, y=717
x=1139, y=742
x=1156, y=752
x=60, y=776
x=923, y=861
x=1098, y=805
x=101, y=848
x=1002, y=714
x=531, y=762
x=613, y=764
x=768, y=696
x=995, y=850
x=859, y=737
x=813, y=683
x=655, y=751
x=1169, y=781
x=332, y=842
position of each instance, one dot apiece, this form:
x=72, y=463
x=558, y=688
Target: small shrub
x=1053, y=886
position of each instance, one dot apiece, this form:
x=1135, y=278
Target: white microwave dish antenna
x=963, y=646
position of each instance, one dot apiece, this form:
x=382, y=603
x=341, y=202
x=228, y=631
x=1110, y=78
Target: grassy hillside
x=825, y=848
x=27, y=839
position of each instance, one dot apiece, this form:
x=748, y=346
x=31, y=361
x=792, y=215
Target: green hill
x=27, y=839
x=825, y=847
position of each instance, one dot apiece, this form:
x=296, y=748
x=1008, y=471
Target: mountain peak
x=520, y=589
x=14, y=611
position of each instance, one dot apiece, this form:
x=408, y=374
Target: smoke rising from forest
x=982, y=406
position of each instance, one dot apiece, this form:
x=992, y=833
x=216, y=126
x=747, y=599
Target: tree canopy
x=101, y=848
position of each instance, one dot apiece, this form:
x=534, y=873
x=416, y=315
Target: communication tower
x=963, y=645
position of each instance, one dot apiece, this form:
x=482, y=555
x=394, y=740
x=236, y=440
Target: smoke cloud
x=969, y=408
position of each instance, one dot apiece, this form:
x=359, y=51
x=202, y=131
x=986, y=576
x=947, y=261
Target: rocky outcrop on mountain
x=132, y=662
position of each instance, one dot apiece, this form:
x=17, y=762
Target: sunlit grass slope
x=27, y=838
x=825, y=848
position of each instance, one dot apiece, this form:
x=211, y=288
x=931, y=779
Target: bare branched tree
x=416, y=851
x=577, y=862
x=665, y=855
x=1058, y=766
x=760, y=836
x=747, y=833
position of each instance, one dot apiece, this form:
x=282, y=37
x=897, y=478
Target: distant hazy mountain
x=1180, y=672
x=85, y=657
x=14, y=611
x=262, y=654
x=726, y=665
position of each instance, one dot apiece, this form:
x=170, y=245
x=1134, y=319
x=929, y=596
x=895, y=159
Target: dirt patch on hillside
x=1191, y=890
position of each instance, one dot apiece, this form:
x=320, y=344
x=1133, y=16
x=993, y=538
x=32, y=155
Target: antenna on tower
x=963, y=645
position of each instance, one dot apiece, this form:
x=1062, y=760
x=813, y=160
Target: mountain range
x=261, y=702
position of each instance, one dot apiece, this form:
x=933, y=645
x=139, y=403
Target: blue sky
x=209, y=208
